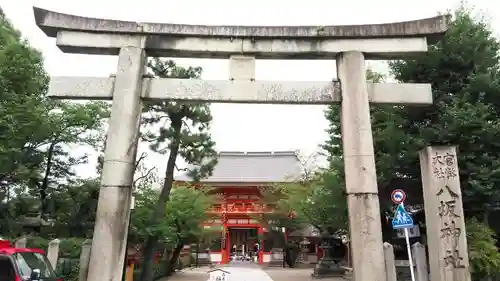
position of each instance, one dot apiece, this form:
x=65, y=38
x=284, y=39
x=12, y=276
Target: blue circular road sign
x=398, y=196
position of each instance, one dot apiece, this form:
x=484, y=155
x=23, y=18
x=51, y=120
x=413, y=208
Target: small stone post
x=276, y=257
x=85, y=260
x=53, y=252
x=21, y=243
x=444, y=214
x=420, y=257
x=390, y=262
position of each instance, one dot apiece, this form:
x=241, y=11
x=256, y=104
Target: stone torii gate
x=133, y=42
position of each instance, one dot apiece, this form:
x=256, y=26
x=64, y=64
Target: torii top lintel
x=164, y=35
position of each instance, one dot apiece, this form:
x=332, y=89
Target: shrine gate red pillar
x=224, y=251
x=260, y=233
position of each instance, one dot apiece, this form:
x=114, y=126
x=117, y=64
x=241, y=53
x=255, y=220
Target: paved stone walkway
x=295, y=274
x=249, y=272
x=194, y=274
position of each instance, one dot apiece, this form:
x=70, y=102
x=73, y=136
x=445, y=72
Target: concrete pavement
x=295, y=274
x=249, y=272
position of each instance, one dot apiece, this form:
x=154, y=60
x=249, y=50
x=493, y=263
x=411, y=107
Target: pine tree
x=183, y=131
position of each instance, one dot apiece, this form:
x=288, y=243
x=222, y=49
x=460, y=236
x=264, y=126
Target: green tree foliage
x=384, y=120
x=37, y=170
x=318, y=201
x=74, y=208
x=66, y=125
x=71, y=212
x=463, y=69
x=23, y=82
x=317, y=198
x=176, y=129
x=333, y=145
x=483, y=253
x=181, y=222
x=37, y=134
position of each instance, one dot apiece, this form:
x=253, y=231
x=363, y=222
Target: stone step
x=275, y=264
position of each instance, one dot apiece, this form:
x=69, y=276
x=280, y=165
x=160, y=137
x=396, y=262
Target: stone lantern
x=328, y=266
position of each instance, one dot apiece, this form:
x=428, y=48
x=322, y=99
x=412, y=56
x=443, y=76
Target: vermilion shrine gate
x=133, y=42
x=239, y=179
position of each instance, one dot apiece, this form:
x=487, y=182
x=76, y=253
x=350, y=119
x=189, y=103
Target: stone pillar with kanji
x=444, y=214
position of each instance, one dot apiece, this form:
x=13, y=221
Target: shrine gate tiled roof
x=253, y=167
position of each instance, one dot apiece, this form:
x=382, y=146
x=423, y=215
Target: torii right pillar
x=360, y=173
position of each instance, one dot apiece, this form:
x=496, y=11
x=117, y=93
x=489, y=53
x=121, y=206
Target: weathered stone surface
x=365, y=227
x=51, y=22
x=203, y=258
x=444, y=214
x=53, y=252
x=84, y=35
x=273, y=92
x=85, y=260
x=329, y=263
x=277, y=257
x=115, y=193
x=390, y=264
x=326, y=268
x=193, y=47
x=21, y=242
x=420, y=256
x=295, y=274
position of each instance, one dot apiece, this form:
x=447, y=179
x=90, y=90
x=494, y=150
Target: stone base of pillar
x=204, y=262
x=327, y=268
x=301, y=262
x=203, y=258
x=276, y=258
x=348, y=274
x=275, y=264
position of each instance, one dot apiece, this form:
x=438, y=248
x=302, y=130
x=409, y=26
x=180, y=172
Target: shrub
x=71, y=247
x=69, y=254
x=37, y=242
x=484, y=257
x=68, y=269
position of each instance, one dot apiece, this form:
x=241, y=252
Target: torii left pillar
x=113, y=210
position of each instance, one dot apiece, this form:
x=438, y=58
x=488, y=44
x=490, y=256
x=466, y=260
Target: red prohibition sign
x=398, y=196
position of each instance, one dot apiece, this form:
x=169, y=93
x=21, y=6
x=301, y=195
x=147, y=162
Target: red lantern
x=157, y=257
x=133, y=260
x=133, y=256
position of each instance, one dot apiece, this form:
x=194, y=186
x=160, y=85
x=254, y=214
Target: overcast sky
x=235, y=127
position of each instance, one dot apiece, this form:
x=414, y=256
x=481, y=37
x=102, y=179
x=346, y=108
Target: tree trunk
x=147, y=273
x=158, y=215
x=486, y=216
x=174, y=258
x=45, y=182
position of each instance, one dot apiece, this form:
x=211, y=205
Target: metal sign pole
x=408, y=248
x=402, y=219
